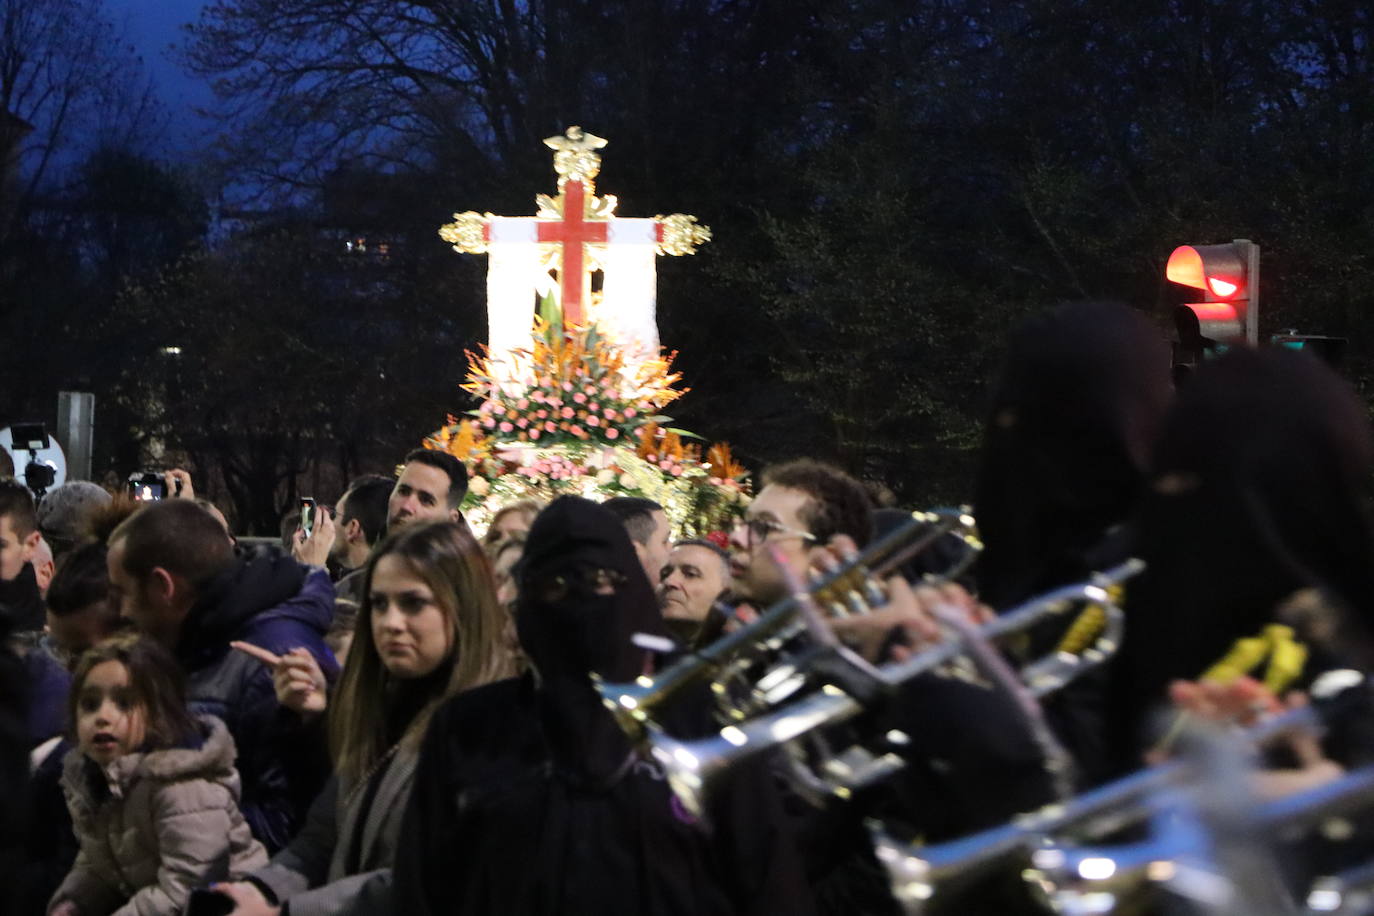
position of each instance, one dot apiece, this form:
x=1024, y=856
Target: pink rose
x=534, y=433
x=522, y=403
x=577, y=431
x=630, y=412
x=612, y=433
x=567, y=386
x=550, y=426
x=522, y=422
x=593, y=420
x=489, y=422
x=580, y=398
x=567, y=413
x=610, y=414
x=506, y=427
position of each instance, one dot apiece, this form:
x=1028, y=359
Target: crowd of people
x=387, y=713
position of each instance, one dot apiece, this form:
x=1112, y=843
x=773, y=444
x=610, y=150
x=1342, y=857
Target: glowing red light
x=1222, y=288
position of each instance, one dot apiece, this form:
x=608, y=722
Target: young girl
x=152, y=791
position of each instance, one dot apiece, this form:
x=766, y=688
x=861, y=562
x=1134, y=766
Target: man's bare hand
x=296, y=677
x=314, y=550
x=910, y=612
x=178, y=484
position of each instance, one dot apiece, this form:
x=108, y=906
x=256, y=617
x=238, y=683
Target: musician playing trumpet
x=971, y=762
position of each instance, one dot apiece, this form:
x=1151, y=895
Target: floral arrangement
x=579, y=423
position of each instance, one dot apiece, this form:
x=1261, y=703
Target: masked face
x=583, y=595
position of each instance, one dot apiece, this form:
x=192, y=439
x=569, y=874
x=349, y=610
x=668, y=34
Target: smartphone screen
x=308, y=515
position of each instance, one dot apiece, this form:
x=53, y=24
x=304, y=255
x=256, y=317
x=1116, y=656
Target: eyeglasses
x=758, y=530
x=589, y=580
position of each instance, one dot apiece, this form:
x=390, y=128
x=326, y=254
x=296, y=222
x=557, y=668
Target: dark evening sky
x=153, y=26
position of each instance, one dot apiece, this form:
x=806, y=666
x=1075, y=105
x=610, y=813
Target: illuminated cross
x=575, y=232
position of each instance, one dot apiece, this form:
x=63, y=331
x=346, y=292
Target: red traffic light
x=1218, y=270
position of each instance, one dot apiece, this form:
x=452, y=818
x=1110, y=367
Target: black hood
x=259, y=579
x=582, y=632
x=570, y=633
x=1259, y=488
x=1081, y=396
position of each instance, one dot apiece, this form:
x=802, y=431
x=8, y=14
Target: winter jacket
x=155, y=826
x=344, y=849
x=267, y=599
x=23, y=601
x=49, y=683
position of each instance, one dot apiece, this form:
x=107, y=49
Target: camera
x=39, y=475
x=146, y=486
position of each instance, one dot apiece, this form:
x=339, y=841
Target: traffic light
x=1228, y=276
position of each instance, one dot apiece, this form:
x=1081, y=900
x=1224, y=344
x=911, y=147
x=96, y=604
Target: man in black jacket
x=177, y=577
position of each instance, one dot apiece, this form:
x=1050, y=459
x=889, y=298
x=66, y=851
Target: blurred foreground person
x=1074, y=416
x=1258, y=494
x=429, y=628
x=530, y=799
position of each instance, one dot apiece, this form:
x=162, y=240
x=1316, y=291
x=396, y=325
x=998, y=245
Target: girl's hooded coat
x=155, y=826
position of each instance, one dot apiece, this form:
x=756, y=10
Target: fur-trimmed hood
x=213, y=760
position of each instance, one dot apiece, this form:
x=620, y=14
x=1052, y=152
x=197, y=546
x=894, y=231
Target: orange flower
x=722, y=464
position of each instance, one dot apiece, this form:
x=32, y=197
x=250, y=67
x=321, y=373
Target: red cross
x=573, y=231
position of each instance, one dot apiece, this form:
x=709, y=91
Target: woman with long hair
x=429, y=627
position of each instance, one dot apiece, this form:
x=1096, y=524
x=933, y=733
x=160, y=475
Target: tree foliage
x=891, y=184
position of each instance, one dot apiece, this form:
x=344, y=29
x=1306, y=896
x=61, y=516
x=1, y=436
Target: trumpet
x=1349, y=893
x=1218, y=857
x=916, y=872
x=849, y=588
x=693, y=767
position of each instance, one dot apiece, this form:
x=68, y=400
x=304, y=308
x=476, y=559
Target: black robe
x=529, y=799
x=1260, y=488
x=1081, y=396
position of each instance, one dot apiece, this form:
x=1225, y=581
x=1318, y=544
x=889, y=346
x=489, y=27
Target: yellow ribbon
x=1286, y=658
x=1089, y=624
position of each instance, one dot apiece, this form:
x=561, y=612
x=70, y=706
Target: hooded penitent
x=529, y=799
x=1082, y=392
x=1258, y=489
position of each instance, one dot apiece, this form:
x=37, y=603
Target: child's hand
x=296, y=676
